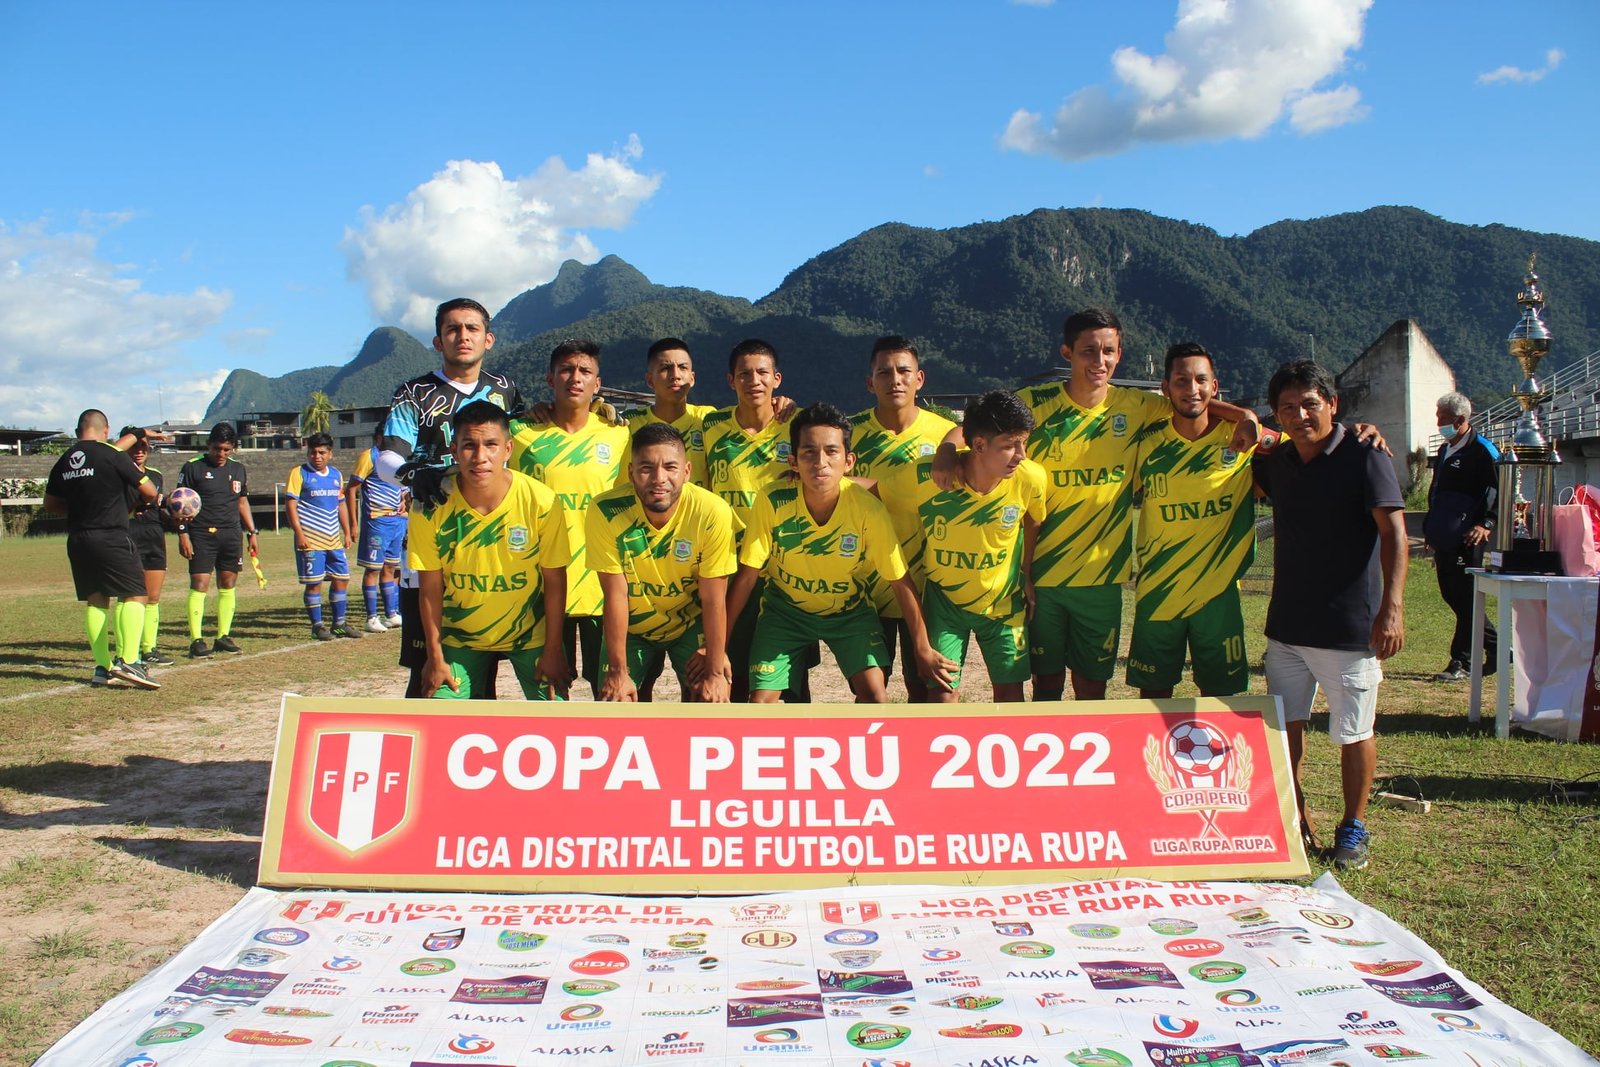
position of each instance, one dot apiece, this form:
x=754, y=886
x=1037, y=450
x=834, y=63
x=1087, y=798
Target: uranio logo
x=1198, y=770
x=360, y=785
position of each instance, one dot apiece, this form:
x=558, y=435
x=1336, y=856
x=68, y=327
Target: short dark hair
x=657, y=433
x=1095, y=318
x=319, y=440
x=574, y=346
x=819, y=414
x=752, y=346
x=91, y=419
x=459, y=303
x=996, y=412
x=1304, y=374
x=892, y=343
x=223, y=433
x=481, y=413
x=666, y=344
x=1185, y=350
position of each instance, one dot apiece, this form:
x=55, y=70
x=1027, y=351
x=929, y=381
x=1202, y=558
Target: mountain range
x=984, y=304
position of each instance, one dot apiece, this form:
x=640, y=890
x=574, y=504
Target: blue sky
x=194, y=188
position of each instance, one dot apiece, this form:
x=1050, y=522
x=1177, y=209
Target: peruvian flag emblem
x=361, y=785
x=850, y=913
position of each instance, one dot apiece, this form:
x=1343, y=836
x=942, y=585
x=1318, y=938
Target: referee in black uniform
x=148, y=524
x=214, y=539
x=90, y=484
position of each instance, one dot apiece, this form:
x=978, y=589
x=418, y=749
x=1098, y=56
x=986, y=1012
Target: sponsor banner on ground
x=550, y=797
x=1112, y=973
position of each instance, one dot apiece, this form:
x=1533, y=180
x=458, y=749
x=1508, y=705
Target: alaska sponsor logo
x=1173, y=927
x=444, y=940
x=1029, y=950
x=269, y=1038
x=982, y=1030
x=168, y=1033
x=588, y=987
x=391, y=1015
x=1362, y=1024
x=774, y=1010
x=605, y=961
x=281, y=935
x=1386, y=968
x=970, y=1002
x=768, y=939
x=1435, y=991
x=1130, y=974
x=1198, y=771
x=1217, y=971
x=1194, y=947
x=1333, y=920
x=850, y=937
x=674, y=1044
x=518, y=989
x=424, y=966
x=1094, y=931
x=1042, y=975
x=872, y=1035
x=478, y=1017
x=1097, y=1057
x=519, y=940
x=573, y=1050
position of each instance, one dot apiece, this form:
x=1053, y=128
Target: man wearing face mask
x=1459, y=523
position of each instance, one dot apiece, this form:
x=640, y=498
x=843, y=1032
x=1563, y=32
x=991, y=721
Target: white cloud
x=1231, y=69
x=1552, y=60
x=77, y=330
x=470, y=231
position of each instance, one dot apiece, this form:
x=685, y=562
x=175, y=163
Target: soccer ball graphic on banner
x=184, y=503
x=1198, y=750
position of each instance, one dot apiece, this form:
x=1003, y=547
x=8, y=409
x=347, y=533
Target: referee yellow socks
x=130, y=628
x=152, y=622
x=196, y=608
x=225, y=599
x=97, y=623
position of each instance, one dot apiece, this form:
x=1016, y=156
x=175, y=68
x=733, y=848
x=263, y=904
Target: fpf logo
x=360, y=785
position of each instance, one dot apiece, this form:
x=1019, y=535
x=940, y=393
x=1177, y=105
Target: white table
x=1506, y=589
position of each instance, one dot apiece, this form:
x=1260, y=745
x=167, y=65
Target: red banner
x=681, y=797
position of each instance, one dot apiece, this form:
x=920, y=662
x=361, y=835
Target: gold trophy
x=1521, y=542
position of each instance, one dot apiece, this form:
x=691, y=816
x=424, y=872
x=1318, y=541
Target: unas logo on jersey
x=602, y=452
x=925, y=449
x=681, y=550
x=1008, y=516
x=517, y=538
x=1119, y=425
x=1229, y=456
x=696, y=439
x=783, y=451
x=847, y=545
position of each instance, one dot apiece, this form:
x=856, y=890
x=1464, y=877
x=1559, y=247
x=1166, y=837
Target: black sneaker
x=198, y=649
x=345, y=630
x=1455, y=672
x=322, y=632
x=133, y=674
x=157, y=658
x=226, y=644
x=1350, y=845
x=100, y=677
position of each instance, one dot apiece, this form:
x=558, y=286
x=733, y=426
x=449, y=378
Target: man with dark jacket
x=1460, y=520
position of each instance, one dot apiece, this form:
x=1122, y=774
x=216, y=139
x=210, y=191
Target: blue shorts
x=382, y=541
x=319, y=563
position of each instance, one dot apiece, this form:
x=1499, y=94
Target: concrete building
x=1395, y=385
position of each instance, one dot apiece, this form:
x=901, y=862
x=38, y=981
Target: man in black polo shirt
x=89, y=484
x=1339, y=552
x=212, y=539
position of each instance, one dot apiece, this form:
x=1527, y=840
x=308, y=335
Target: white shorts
x=1348, y=679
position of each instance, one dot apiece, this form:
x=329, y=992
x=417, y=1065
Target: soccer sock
x=152, y=622
x=314, y=606
x=340, y=601
x=196, y=607
x=369, y=593
x=225, y=598
x=391, y=598
x=130, y=627
x=96, y=621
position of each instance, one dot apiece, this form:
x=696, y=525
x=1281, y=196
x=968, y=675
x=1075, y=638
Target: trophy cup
x=1528, y=464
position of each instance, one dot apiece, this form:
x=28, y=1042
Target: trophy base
x=1524, y=557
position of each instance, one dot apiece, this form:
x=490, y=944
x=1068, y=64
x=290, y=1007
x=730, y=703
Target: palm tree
x=314, y=419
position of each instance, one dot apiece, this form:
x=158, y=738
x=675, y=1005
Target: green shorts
x=647, y=658
x=1213, y=637
x=475, y=669
x=1076, y=626
x=785, y=636
x=1003, y=642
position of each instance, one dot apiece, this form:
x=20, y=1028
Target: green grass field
x=1502, y=876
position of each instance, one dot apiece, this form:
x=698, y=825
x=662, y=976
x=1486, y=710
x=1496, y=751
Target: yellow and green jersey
x=969, y=544
x=578, y=467
x=741, y=464
x=662, y=566
x=1088, y=456
x=826, y=568
x=1197, y=522
x=687, y=424
x=880, y=452
x=493, y=591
